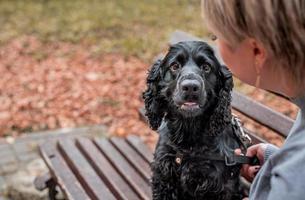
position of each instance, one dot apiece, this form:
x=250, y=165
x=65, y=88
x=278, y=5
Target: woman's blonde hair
x=278, y=24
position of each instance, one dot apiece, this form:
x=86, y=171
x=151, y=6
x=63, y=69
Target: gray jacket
x=282, y=177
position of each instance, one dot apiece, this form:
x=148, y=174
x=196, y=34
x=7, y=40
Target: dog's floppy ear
x=152, y=99
x=227, y=78
x=222, y=115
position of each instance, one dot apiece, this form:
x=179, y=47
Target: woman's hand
x=258, y=150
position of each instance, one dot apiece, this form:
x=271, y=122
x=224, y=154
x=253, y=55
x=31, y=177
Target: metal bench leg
x=46, y=181
x=51, y=185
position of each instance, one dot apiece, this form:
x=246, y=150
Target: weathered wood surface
x=113, y=168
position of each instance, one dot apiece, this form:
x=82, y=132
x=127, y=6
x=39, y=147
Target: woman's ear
x=259, y=53
x=154, y=102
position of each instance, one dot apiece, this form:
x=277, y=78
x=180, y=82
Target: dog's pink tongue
x=190, y=103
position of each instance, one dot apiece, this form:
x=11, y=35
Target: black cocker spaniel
x=188, y=100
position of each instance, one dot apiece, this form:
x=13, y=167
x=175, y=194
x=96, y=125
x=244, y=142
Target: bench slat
x=105, y=170
x=124, y=168
x=139, y=146
x=262, y=114
x=62, y=173
x=133, y=157
x=94, y=186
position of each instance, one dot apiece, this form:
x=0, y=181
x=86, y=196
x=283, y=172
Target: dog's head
x=187, y=82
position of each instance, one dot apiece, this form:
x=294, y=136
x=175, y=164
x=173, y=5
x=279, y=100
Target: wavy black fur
x=191, y=132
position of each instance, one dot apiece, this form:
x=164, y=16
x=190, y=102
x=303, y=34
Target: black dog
x=188, y=101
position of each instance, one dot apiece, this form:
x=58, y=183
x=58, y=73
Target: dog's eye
x=174, y=66
x=206, y=68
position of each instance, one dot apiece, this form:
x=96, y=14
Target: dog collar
x=229, y=160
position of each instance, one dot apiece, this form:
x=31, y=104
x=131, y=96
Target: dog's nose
x=190, y=86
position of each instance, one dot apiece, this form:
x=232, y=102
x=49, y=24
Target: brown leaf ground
x=65, y=86
x=56, y=85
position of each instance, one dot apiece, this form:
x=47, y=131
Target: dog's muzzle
x=190, y=89
x=191, y=85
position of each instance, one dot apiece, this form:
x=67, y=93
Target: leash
x=245, y=142
x=229, y=160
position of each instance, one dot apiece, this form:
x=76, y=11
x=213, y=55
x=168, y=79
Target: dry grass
x=133, y=27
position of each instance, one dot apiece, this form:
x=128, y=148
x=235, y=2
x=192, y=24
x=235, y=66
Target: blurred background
x=74, y=63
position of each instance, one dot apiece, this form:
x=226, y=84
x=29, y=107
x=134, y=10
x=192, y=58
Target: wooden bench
x=118, y=168
x=96, y=169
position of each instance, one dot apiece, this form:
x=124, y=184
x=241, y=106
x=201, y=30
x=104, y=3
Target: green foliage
x=131, y=27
